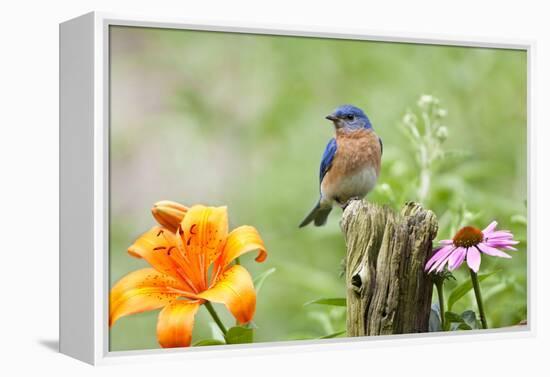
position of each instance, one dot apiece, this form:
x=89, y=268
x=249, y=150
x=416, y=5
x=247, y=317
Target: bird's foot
x=346, y=204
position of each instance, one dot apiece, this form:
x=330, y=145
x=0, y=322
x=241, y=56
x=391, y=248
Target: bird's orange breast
x=356, y=149
x=358, y=153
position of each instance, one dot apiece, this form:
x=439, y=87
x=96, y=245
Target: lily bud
x=169, y=214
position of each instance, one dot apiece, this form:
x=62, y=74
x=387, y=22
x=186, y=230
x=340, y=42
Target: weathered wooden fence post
x=388, y=291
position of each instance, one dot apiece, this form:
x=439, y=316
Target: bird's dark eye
x=349, y=117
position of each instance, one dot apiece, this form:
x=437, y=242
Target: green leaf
x=453, y=317
x=328, y=301
x=239, y=335
x=333, y=335
x=260, y=279
x=465, y=321
x=464, y=288
x=208, y=342
x=469, y=318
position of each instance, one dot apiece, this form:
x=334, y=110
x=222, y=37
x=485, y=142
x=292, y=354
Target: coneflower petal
x=456, y=258
x=490, y=228
x=486, y=249
x=439, y=257
x=473, y=258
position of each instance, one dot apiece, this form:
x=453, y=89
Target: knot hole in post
x=356, y=281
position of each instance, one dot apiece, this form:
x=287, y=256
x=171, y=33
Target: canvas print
x=269, y=188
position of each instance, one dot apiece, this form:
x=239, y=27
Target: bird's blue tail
x=318, y=215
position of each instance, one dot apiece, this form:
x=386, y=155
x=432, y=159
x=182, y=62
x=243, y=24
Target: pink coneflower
x=468, y=244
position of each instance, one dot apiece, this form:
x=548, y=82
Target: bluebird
x=350, y=164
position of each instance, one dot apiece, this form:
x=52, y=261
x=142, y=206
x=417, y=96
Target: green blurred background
x=238, y=120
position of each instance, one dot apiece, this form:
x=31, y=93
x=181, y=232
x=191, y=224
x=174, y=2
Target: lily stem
x=439, y=286
x=477, y=291
x=215, y=317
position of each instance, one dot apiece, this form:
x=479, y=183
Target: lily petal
x=204, y=231
x=235, y=289
x=175, y=323
x=158, y=246
x=140, y=291
x=242, y=240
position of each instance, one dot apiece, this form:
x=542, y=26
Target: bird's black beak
x=331, y=118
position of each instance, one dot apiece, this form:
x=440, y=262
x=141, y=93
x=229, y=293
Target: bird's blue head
x=349, y=117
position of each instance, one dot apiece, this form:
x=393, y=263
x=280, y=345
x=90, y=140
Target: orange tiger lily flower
x=191, y=255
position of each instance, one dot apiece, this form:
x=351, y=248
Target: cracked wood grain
x=388, y=291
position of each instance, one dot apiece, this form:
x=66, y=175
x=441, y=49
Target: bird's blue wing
x=328, y=156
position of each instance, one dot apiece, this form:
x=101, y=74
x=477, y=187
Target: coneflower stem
x=439, y=287
x=477, y=291
x=215, y=317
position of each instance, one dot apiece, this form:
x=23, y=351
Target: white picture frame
x=84, y=196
